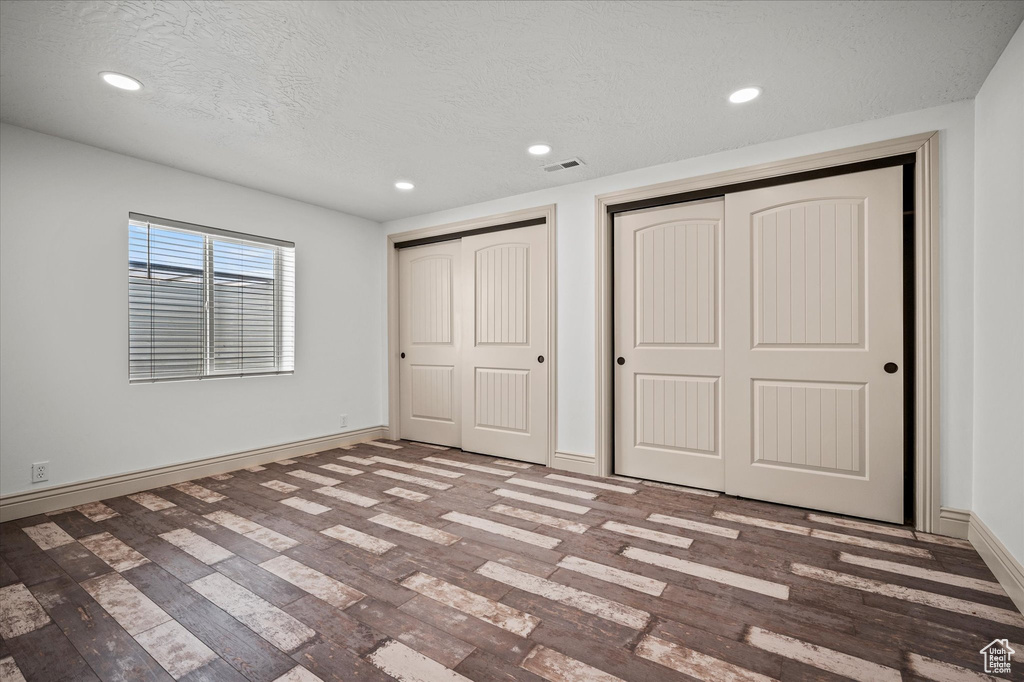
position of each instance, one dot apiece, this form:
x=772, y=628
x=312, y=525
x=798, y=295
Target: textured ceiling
x=330, y=103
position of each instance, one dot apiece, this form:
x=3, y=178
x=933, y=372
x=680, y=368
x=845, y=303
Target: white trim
x=57, y=497
x=927, y=487
x=926, y=258
x=954, y=522
x=1006, y=568
x=548, y=214
x=577, y=463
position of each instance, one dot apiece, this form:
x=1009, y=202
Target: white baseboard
x=570, y=461
x=1006, y=568
x=44, y=500
x=963, y=524
x=954, y=522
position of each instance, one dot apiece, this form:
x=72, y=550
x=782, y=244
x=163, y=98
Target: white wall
x=576, y=267
x=999, y=299
x=65, y=395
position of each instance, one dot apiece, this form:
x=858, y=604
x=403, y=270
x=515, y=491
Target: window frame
x=208, y=277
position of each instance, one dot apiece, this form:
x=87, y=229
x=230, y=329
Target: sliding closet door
x=668, y=344
x=429, y=320
x=504, y=373
x=813, y=338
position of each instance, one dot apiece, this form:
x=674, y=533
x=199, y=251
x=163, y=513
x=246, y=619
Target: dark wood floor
x=424, y=564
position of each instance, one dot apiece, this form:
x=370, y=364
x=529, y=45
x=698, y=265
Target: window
x=207, y=303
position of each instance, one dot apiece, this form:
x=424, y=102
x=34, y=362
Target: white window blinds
x=207, y=303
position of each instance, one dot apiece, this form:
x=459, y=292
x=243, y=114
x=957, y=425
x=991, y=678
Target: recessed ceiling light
x=119, y=80
x=744, y=95
x=403, y=185
x=539, y=149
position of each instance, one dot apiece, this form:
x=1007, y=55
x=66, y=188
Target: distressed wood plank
x=481, y=579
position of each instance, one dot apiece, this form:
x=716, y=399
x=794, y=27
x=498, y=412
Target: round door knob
x=403, y=356
x=540, y=358
x=891, y=367
x=621, y=361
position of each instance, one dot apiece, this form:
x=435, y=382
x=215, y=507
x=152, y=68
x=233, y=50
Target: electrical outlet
x=344, y=420
x=40, y=471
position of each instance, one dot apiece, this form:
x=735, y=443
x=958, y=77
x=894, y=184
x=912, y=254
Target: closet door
x=813, y=337
x=429, y=321
x=504, y=349
x=668, y=345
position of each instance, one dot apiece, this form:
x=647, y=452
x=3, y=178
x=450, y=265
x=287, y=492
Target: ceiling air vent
x=562, y=165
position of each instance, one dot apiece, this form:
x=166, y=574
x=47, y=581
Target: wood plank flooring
x=395, y=560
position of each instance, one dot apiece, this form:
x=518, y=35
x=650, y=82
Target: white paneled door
x=430, y=327
x=504, y=344
x=473, y=324
x=759, y=344
x=813, y=336
x=668, y=346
